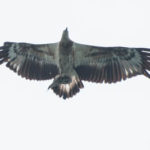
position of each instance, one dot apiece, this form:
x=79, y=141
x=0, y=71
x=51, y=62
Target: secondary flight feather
x=69, y=63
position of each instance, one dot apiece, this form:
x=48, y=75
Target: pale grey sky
x=101, y=116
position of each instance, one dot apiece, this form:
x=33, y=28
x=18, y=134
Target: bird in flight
x=69, y=63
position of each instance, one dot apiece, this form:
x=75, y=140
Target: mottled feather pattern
x=109, y=64
x=69, y=63
x=29, y=61
x=69, y=89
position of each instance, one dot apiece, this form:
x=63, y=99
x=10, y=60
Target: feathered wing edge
x=3, y=54
x=145, y=54
x=66, y=90
x=115, y=71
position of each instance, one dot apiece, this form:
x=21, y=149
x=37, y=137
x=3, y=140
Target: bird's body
x=69, y=63
x=67, y=83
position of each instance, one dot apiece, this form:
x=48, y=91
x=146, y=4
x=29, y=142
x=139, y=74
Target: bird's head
x=65, y=35
x=65, y=40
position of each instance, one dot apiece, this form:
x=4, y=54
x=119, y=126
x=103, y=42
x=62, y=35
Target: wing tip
x=145, y=54
x=3, y=54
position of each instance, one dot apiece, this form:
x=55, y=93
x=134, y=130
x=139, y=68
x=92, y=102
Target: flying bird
x=69, y=63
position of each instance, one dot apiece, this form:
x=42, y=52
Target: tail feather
x=66, y=90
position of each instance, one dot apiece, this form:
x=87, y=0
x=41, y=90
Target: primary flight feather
x=69, y=63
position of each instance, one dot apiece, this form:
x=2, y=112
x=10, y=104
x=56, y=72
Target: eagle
x=69, y=63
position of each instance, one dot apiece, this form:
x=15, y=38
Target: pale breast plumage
x=69, y=63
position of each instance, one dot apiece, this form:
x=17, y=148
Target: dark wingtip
x=2, y=47
x=3, y=54
x=146, y=73
x=145, y=54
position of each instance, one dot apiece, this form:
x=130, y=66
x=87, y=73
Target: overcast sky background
x=101, y=116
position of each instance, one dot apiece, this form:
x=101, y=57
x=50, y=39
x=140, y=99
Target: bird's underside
x=69, y=63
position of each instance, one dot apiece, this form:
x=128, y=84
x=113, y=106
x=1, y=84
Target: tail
x=66, y=86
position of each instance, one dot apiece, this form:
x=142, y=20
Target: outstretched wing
x=110, y=64
x=31, y=61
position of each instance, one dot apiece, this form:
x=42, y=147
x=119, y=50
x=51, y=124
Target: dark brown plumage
x=69, y=63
